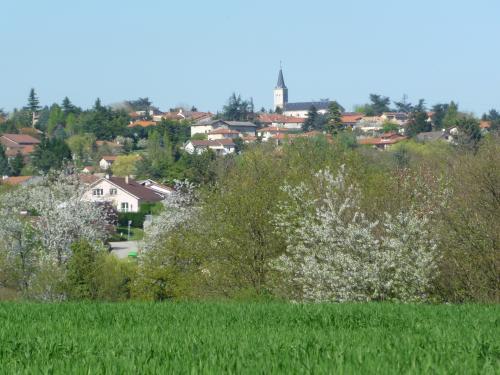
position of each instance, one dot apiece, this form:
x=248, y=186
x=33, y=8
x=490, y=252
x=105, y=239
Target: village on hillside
x=129, y=156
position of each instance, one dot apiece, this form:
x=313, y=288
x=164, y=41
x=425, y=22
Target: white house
x=221, y=146
x=281, y=121
x=125, y=194
x=106, y=162
x=223, y=133
x=208, y=125
x=272, y=132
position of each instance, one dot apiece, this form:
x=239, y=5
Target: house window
x=113, y=191
x=124, y=206
x=98, y=192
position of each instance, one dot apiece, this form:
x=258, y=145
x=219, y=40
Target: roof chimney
x=126, y=179
x=107, y=176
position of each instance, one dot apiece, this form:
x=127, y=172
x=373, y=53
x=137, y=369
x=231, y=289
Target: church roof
x=281, y=81
x=305, y=106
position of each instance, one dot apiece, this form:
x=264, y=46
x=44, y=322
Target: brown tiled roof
x=351, y=118
x=109, y=158
x=143, y=123
x=88, y=179
x=270, y=118
x=485, y=124
x=16, y=180
x=21, y=139
x=380, y=141
x=136, y=189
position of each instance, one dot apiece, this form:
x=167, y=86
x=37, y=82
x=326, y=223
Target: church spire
x=281, y=81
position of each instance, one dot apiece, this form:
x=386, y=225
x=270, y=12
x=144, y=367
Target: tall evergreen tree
x=17, y=164
x=33, y=102
x=4, y=163
x=312, y=117
x=334, y=118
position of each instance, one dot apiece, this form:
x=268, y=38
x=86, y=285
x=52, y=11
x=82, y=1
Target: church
x=294, y=109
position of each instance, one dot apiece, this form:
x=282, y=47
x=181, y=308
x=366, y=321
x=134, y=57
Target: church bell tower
x=280, y=93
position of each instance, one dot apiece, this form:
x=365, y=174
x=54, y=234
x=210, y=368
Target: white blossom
x=179, y=210
x=335, y=254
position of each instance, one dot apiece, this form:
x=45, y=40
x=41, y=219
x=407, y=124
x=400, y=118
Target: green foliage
x=33, y=102
x=334, y=119
x=314, y=121
x=50, y=154
x=242, y=337
x=390, y=127
x=16, y=164
x=238, y=109
x=138, y=217
x=379, y=104
x=4, y=163
x=81, y=272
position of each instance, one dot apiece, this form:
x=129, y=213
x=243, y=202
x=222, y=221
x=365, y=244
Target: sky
x=199, y=52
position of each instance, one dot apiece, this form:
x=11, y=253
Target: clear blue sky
x=199, y=52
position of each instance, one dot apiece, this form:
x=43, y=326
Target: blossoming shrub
x=334, y=253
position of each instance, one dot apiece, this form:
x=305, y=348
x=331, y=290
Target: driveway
x=121, y=249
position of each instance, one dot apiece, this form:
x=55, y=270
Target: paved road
x=121, y=249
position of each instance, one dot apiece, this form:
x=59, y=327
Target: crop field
x=186, y=337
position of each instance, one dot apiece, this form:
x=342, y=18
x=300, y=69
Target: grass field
x=248, y=338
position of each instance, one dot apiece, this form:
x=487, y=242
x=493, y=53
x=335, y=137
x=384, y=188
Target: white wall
x=116, y=200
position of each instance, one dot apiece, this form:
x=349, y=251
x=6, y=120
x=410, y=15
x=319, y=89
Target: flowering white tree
x=335, y=254
x=54, y=215
x=179, y=209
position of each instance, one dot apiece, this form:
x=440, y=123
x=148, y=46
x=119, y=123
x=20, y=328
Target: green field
x=141, y=338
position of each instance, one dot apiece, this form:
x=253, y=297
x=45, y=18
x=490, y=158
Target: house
x=351, y=119
x=398, y=118
x=384, y=142
x=272, y=131
x=439, y=135
x=89, y=169
x=106, y=162
x=281, y=121
x=125, y=194
x=142, y=123
x=205, y=126
x=159, y=188
x=220, y=146
x=370, y=124
x=181, y=114
x=300, y=109
x=20, y=180
x=223, y=133
x=14, y=143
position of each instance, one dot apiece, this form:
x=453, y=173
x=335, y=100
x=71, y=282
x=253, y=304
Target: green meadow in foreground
x=186, y=337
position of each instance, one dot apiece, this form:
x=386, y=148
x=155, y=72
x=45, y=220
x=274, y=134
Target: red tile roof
x=16, y=180
x=485, y=124
x=381, y=141
x=351, y=118
x=109, y=158
x=277, y=118
x=143, y=123
x=21, y=139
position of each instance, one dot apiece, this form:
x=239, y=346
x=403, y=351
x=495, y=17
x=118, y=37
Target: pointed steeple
x=281, y=81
